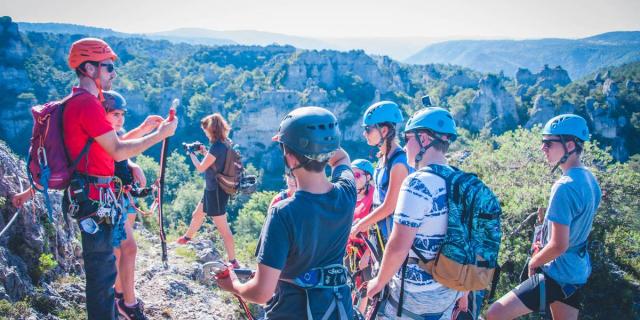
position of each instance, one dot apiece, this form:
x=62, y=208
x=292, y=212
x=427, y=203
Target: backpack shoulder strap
x=85, y=149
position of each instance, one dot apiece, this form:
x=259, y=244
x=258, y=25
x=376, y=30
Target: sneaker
x=118, y=296
x=132, y=313
x=183, y=240
x=234, y=264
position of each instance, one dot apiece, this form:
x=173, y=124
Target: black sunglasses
x=110, y=67
x=369, y=128
x=549, y=142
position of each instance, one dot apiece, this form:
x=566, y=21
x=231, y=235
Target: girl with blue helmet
x=380, y=129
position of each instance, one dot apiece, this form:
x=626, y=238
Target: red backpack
x=48, y=163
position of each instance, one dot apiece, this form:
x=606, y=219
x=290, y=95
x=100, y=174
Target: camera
x=192, y=147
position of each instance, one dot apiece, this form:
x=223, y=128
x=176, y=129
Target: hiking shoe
x=183, y=240
x=234, y=264
x=132, y=313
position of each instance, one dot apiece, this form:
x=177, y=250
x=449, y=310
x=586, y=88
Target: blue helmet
x=113, y=101
x=435, y=119
x=567, y=124
x=363, y=165
x=380, y=112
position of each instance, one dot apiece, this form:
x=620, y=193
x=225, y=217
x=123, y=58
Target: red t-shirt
x=84, y=117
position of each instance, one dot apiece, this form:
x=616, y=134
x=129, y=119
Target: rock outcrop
x=547, y=78
x=543, y=110
x=492, y=108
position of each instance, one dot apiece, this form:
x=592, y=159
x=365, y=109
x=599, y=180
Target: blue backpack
x=468, y=257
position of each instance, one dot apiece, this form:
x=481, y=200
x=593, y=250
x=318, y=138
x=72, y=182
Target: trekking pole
x=163, y=165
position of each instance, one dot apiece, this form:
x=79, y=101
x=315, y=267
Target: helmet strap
x=383, y=139
x=565, y=156
x=423, y=149
x=96, y=81
x=287, y=169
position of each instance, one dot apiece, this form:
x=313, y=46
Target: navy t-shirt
x=303, y=232
x=219, y=150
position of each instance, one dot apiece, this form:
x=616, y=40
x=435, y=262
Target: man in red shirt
x=84, y=122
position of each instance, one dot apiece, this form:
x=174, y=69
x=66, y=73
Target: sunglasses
x=357, y=175
x=547, y=143
x=408, y=136
x=368, y=129
x=110, y=67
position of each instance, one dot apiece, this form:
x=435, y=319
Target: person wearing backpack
x=300, y=274
x=89, y=197
x=380, y=126
x=561, y=264
x=420, y=220
x=129, y=173
x=215, y=199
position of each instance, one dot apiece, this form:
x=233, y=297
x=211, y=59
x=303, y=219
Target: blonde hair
x=215, y=127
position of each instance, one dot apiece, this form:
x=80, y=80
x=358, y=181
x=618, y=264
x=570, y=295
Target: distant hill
x=398, y=48
x=67, y=28
x=579, y=57
x=245, y=37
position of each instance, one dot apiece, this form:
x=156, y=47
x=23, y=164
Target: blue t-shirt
x=575, y=198
x=381, y=179
x=219, y=150
x=303, y=232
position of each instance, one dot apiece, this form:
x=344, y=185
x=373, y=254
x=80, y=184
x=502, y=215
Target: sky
x=515, y=19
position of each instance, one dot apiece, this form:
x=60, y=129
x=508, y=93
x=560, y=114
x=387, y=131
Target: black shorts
x=214, y=202
x=529, y=293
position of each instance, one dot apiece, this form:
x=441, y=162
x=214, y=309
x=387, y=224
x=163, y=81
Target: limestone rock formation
x=543, y=110
x=492, y=107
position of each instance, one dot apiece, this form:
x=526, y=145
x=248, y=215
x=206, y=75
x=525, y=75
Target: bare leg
x=227, y=237
x=507, y=307
x=118, y=284
x=197, y=218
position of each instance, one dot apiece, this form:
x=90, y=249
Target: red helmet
x=89, y=49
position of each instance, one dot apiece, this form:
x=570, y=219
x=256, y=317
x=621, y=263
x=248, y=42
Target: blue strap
x=45, y=174
x=543, y=298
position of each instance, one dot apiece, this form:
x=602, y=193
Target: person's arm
x=19, y=199
x=340, y=157
x=121, y=150
x=559, y=215
x=147, y=126
x=138, y=173
x=257, y=290
x=397, y=249
x=208, y=160
x=558, y=244
x=398, y=174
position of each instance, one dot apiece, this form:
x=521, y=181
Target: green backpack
x=468, y=256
